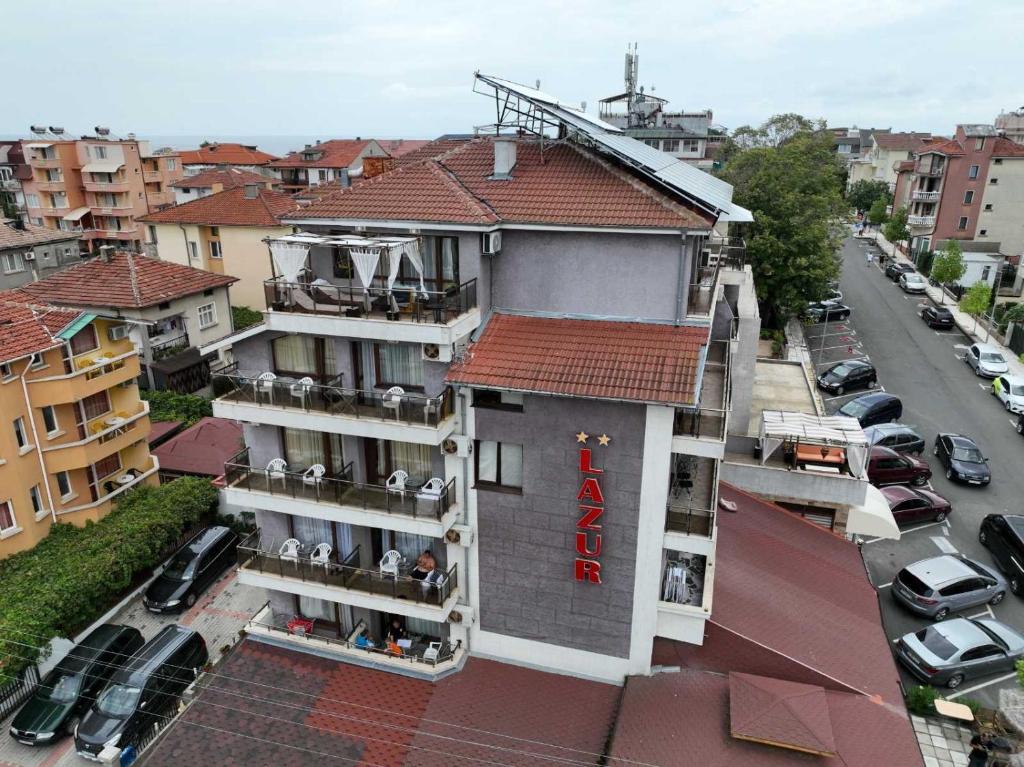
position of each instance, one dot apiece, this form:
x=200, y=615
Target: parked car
x=887, y=467
x=962, y=458
x=66, y=693
x=909, y=505
x=940, y=585
x=143, y=692
x=1020, y=424
x=895, y=436
x=986, y=360
x=1009, y=390
x=937, y=317
x=912, y=282
x=826, y=311
x=948, y=653
x=894, y=269
x=192, y=569
x=1003, y=536
x=844, y=376
x=870, y=409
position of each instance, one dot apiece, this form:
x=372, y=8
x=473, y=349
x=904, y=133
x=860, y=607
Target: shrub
x=921, y=699
x=243, y=317
x=170, y=406
x=76, y=574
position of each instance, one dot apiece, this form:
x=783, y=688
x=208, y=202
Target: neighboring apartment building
x=97, y=186
x=853, y=143
x=30, y=252
x=13, y=171
x=208, y=182
x=325, y=162
x=1011, y=125
x=212, y=155
x=73, y=437
x=224, y=233
x=882, y=152
x=171, y=310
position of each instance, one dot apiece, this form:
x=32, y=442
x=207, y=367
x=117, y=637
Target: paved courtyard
x=217, y=616
x=943, y=743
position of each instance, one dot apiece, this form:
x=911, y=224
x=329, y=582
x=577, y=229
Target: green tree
x=862, y=194
x=877, y=215
x=975, y=300
x=948, y=266
x=895, y=230
x=171, y=406
x=243, y=317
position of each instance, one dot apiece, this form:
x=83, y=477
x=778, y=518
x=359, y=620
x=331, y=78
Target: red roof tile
x=225, y=154
x=126, y=280
x=201, y=449
x=1004, y=147
x=336, y=153
x=906, y=142
x=431, y=150
x=779, y=712
x=228, y=177
x=942, y=146
x=229, y=208
x=26, y=327
x=642, y=362
x=402, y=146
x=566, y=186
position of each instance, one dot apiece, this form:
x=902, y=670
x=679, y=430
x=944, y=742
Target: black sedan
x=963, y=459
x=893, y=270
x=847, y=376
x=827, y=311
x=937, y=317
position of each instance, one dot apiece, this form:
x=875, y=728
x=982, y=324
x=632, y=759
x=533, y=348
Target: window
x=107, y=466
x=7, y=521
x=84, y=341
x=691, y=145
x=67, y=252
x=37, y=499
x=498, y=400
x=979, y=143
x=973, y=172
x=215, y=249
x=988, y=206
x=37, y=361
x=19, y=432
x=13, y=262
x=95, y=405
x=321, y=175
x=985, y=273
x=983, y=232
x=962, y=223
x=207, y=316
x=968, y=197
x=499, y=464
x=997, y=161
x=343, y=267
x=6, y=372
x=99, y=152
x=399, y=364
x=186, y=190
x=32, y=200
x=670, y=145
x=652, y=142
x=172, y=164
x=50, y=419
x=193, y=250
x=63, y=484
x=304, y=355
x=993, y=181
x=6, y=174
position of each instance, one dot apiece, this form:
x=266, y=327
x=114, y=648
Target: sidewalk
x=963, y=321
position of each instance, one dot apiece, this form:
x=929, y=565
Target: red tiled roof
x=225, y=154
x=600, y=359
x=229, y=208
x=779, y=712
x=905, y=165
x=906, y=142
x=202, y=448
x=162, y=430
x=566, y=186
x=30, y=235
x=125, y=281
x=402, y=146
x=228, y=177
x=431, y=150
x=942, y=146
x=26, y=327
x=1004, y=147
x=336, y=153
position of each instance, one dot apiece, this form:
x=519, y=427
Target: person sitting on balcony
x=397, y=630
x=425, y=565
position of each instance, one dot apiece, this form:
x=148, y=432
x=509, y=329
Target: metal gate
x=16, y=692
x=1016, y=338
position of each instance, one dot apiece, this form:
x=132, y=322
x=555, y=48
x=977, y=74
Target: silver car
x=986, y=360
x=938, y=586
x=912, y=282
x=951, y=652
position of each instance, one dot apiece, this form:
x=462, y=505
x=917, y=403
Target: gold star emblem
x=604, y=439
x=582, y=437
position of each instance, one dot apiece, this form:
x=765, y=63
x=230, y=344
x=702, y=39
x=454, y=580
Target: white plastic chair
x=396, y=482
x=290, y=549
x=300, y=389
x=321, y=554
x=389, y=562
x=264, y=383
x=314, y=474
x=393, y=400
x=432, y=651
x=431, y=405
x=276, y=470
x=432, y=490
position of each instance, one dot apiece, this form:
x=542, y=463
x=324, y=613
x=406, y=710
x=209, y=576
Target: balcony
x=44, y=162
x=107, y=435
x=692, y=502
x=125, y=233
x=702, y=431
x=50, y=186
x=921, y=221
x=112, y=210
x=339, y=499
x=403, y=314
x=10, y=185
x=718, y=253
x=140, y=475
x=169, y=347
x=106, y=186
x=345, y=582
x=932, y=171
x=151, y=176
x=298, y=404
x=919, y=195
x=93, y=375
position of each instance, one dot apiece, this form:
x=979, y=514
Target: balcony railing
x=922, y=196
x=921, y=220
x=10, y=185
x=709, y=420
x=934, y=170
x=340, y=491
x=45, y=162
x=335, y=399
x=345, y=574
x=406, y=304
x=57, y=185
x=150, y=176
x=169, y=348
x=106, y=186
x=693, y=498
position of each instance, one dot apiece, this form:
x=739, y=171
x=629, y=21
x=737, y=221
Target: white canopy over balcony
x=843, y=432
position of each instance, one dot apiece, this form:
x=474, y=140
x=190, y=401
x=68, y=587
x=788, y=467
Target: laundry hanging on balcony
x=289, y=258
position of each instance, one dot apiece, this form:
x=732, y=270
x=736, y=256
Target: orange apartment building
x=73, y=431
x=97, y=186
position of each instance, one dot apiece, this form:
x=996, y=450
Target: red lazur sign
x=591, y=501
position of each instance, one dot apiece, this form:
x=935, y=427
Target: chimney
x=105, y=251
x=504, y=157
x=18, y=224
x=252, y=191
x=345, y=181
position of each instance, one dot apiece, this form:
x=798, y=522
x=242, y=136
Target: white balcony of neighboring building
x=921, y=221
x=919, y=195
x=687, y=588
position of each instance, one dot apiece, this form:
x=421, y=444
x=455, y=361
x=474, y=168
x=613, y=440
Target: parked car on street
x=66, y=693
x=142, y=693
x=894, y=269
x=937, y=317
x=986, y=360
x=870, y=409
x=887, y=467
x=909, y=505
x=912, y=282
x=1009, y=390
x=825, y=311
x=192, y=570
x=895, y=436
x=940, y=585
x=1003, y=536
x=962, y=458
x=848, y=375
x=950, y=652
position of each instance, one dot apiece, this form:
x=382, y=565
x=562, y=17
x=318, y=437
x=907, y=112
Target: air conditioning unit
x=30, y=255
x=463, y=446
x=431, y=351
x=490, y=243
x=450, y=447
x=118, y=332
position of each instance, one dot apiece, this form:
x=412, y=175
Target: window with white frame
x=6, y=371
x=6, y=174
x=215, y=249
x=36, y=494
x=64, y=484
x=152, y=233
x=32, y=200
x=973, y=172
x=7, y=520
x=962, y=223
x=691, y=145
x=13, y=263
x=37, y=361
x=979, y=143
x=499, y=465
x=652, y=142
x=99, y=152
x=20, y=434
x=670, y=145
x=193, y=250
x=207, y=316
x=50, y=419
x=172, y=163
x=968, y=197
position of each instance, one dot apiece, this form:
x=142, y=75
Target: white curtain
x=412, y=252
x=345, y=544
x=289, y=258
x=312, y=532
x=320, y=609
x=366, y=264
x=400, y=364
x=394, y=264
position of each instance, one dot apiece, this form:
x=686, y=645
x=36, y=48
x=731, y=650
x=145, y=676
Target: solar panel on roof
x=571, y=114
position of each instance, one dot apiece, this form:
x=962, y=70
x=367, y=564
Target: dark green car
x=66, y=693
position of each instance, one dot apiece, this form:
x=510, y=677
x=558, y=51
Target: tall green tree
x=895, y=230
x=862, y=194
x=877, y=215
x=948, y=266
x=975, y=300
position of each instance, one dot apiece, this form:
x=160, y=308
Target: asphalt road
x=939, y=393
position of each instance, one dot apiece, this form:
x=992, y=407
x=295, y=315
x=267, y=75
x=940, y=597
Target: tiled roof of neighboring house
x=566, y=186
x=29, y=235
x=26, y=327
x=430, y=150
x=600, y=359
x=905, y=165
x=402, y=146
x=336, y=153
x=225, y=154
x=229, y=208
x=161, y=431
x=1004, y=147
x=942, y=146
x=905, y=142
x=201, y=449
x=126, y=280
x=229, y=177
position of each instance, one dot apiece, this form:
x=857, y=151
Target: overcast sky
x=404, y=69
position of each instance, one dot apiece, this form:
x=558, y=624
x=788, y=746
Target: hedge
x=170, y=406
x=75, y=574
